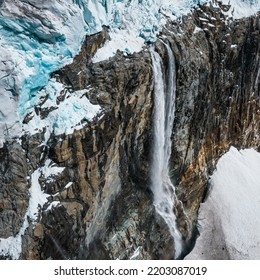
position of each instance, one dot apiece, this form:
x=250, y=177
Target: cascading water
x=164, y=104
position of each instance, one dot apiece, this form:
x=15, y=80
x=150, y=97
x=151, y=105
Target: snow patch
x=49, y=170
x=136, y=253
x=229, y=220
x=12, y=246
x=53, y=205
x=123, y=40
x=241, y=8
x=66, y=116
x=197, y=29
x=68, y=185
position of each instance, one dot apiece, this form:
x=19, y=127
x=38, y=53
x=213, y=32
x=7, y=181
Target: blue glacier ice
x=38, y=37
x=40, y=43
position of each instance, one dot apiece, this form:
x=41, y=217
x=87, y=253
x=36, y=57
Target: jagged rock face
x=13, y=189
x=106, y=211
x=100, y=205
x=217, y=95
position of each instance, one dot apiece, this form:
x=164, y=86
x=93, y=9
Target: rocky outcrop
x=13, y=189
x=103, y=202
x=99, y=204
x=217, y=95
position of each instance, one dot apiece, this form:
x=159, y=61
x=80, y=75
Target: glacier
x=39, y=37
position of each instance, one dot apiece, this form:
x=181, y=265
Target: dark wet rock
x=217, y=96
x=13, y=188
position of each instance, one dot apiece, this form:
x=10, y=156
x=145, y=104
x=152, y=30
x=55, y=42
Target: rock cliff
x=99, y=204
x=217, y=95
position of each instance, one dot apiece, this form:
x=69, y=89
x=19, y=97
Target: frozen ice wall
x=37, y=38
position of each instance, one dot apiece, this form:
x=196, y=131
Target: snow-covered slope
x=242, y=8
x=63, y=117
x=39, y=37
x=229, y=221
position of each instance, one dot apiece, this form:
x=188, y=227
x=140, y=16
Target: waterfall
x=164, y=110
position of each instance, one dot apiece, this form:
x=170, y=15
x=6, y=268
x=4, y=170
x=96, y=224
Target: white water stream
x=164, y=110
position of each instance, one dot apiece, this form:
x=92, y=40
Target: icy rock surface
x=229, y=222
x=39, y=37
x=64, y=116
x=12, y=246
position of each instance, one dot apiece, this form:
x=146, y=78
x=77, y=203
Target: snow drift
x=229, y=221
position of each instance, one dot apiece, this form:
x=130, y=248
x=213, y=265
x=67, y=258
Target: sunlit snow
x=12, y=246
x=66, y=116
x=240, y=9
x=229, y=221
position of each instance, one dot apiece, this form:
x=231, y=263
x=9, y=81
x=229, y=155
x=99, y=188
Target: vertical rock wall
x=217, y=95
